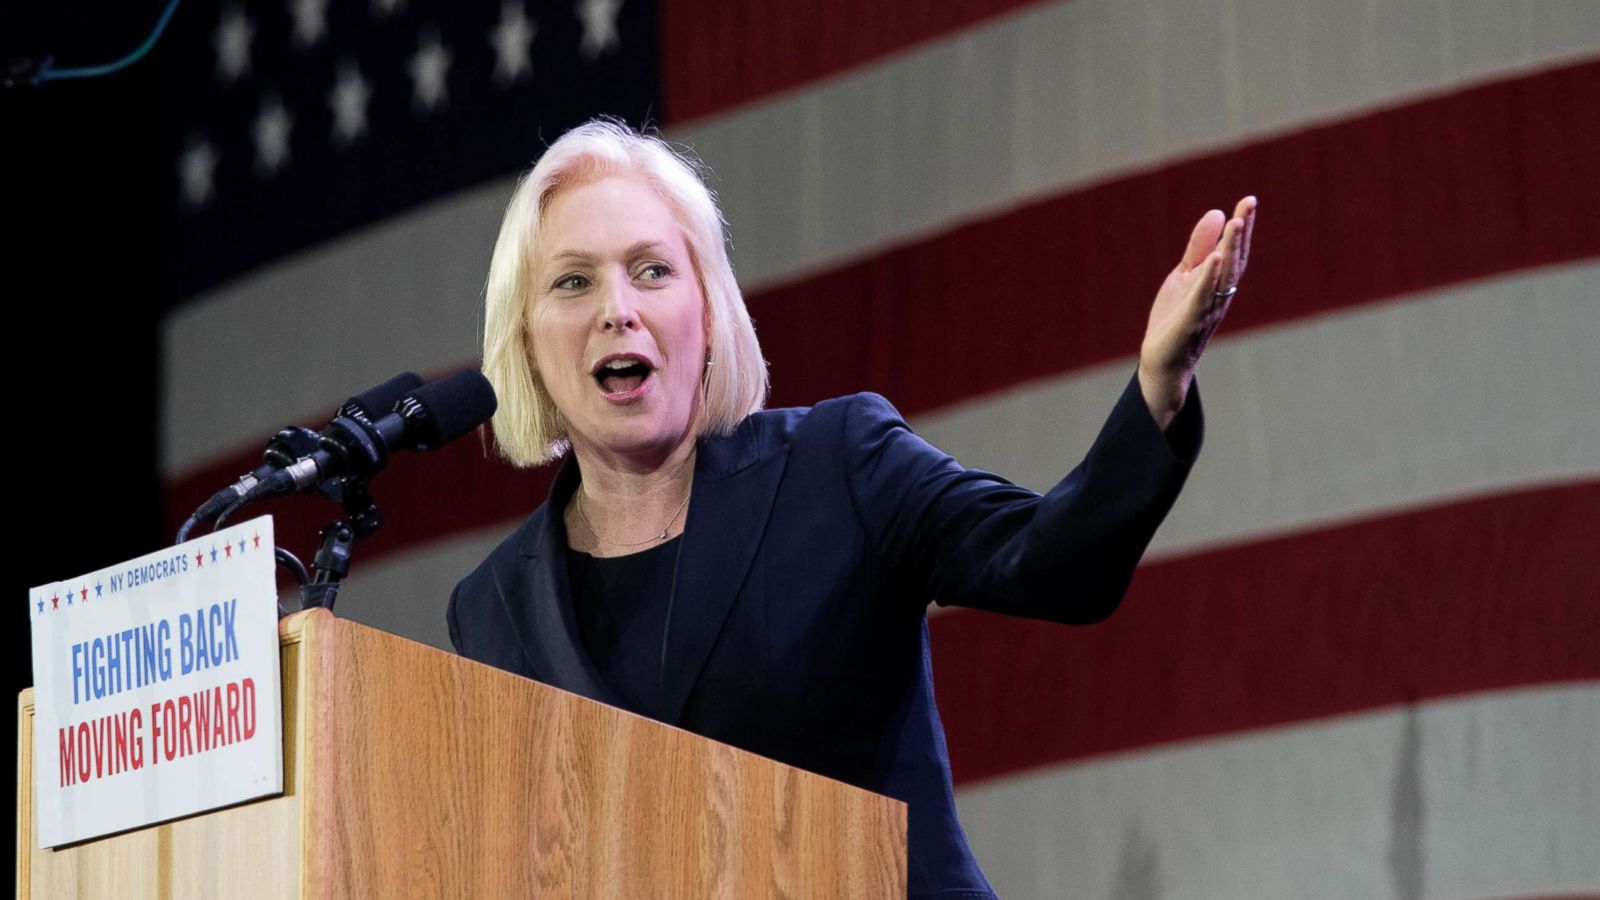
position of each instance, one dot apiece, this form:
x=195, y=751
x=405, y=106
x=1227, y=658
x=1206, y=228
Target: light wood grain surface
x=414, y=773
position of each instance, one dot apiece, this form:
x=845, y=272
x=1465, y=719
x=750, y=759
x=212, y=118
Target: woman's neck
x=629, y=504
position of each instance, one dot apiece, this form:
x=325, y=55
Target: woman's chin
x=634, y=437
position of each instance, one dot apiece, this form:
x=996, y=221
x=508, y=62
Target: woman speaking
x=762, y=577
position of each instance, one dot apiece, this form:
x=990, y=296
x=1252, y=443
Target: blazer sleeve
x=971, y=538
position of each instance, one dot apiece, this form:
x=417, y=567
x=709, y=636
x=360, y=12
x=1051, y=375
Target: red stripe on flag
x=1471, y=185
x=1482, y=595
x=716, y=56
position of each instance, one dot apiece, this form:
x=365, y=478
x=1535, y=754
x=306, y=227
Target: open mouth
x=621, y=376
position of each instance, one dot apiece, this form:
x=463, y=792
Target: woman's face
x=617, y=323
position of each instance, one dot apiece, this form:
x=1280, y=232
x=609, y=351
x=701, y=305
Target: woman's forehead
x=616, y=210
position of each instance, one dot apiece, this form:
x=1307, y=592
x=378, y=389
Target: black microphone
x=426, y=418
x=379, y=399
x=294, y=442
x=445, y=409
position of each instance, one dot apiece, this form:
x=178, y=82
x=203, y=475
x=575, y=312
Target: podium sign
x=156, y=687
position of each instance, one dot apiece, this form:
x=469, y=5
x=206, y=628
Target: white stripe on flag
x=1490, y=795
x=298, y=337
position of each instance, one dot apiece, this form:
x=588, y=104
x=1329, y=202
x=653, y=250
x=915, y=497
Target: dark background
x=85, y=282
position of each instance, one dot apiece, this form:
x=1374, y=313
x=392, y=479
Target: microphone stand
x=332, y=562
x=351, y=450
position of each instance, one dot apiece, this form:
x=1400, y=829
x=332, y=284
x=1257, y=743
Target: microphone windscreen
x=451, y=406
x=379, y=400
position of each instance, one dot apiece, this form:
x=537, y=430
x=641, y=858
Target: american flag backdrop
x=1362, y=658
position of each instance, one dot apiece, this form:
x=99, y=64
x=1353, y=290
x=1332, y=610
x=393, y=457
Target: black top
x=622, y=604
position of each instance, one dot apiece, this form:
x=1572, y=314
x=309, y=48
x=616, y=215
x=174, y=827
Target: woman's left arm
x=972, y=539
x=969, y=538
x=1190, y=305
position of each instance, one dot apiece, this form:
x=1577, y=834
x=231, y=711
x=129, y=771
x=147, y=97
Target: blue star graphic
x=41, y=605
x=213, y=554
x=241, y=545
x=69, y=598
x=97, y=587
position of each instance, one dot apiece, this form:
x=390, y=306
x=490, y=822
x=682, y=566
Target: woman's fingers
x=1231, y=236
x=1207, y=284
x=1231, y=246
x=1236, y=242
x=1202, y=240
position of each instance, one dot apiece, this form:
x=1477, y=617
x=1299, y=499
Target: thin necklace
x=660, y=536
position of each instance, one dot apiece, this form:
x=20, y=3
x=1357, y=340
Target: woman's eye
x=656, y=271
x=572, y=282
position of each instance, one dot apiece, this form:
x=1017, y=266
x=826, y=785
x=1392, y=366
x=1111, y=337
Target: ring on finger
x=1223, y=295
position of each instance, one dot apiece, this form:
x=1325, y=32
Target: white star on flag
x=232, y=43
x=196, y=170
x=511, y=39
x=428, y=68
x=599, y=19
x=271, y=132
x=349, y=102
x=310, y=21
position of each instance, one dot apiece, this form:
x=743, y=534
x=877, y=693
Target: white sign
x=156, y=689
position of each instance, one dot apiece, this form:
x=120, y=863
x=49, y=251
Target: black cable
x=292, y=563
x=222, y=520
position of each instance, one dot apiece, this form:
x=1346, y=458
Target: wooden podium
x=410, y=772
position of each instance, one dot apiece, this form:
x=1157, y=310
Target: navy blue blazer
x=814, y=542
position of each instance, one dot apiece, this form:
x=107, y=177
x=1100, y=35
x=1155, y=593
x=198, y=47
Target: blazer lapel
x=537, y=593
x=734, y=488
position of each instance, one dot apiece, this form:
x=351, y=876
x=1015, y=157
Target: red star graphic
x=258, y=540
x=55, y=602
x=227, y=550
x=85, y=593
x=199, y=560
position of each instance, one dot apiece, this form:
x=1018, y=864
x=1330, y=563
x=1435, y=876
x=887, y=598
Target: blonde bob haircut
x=527, y=426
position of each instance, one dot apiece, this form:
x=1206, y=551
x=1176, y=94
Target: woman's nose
x=617, y=313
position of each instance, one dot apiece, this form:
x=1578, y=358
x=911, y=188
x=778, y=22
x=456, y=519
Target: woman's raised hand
x=1190, y=305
